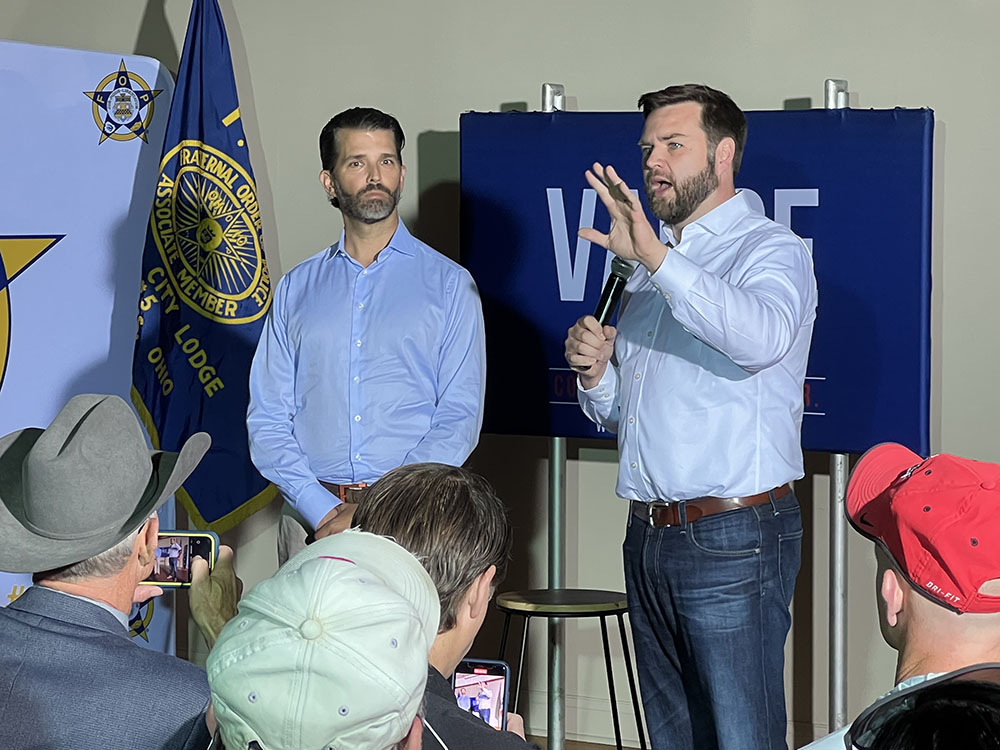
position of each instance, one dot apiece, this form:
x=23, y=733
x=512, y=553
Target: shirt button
x=631, y=420
x=634, y=464
x=358, y=342
x=649, y=333
x=666, y=297
x=357, y=379
x=365, y=272
x=637, y=375
x=357, y=456
x=357, y=417
x=361, y=305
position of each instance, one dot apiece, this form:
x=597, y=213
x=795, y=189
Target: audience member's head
x=458, y=528
x=959, y=710
x=331, y=652
x=78, y=499
x=936, y=526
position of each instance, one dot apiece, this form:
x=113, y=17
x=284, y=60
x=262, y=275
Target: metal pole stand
x=838, y=591
x=554, y=99
x=836, y=97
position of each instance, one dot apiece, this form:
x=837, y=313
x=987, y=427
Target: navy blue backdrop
x=855, y=184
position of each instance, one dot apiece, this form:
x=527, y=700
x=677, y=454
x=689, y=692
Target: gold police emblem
x=139, y=619
x=206, y=225
x=17, y=252
x=123, y=105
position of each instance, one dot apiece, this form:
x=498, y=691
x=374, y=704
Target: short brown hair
x=449, y=518
x=720, y=117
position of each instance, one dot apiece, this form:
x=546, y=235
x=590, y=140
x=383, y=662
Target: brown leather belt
x=663, y=514
x=348, y=493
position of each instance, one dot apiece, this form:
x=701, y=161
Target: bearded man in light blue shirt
x=704, y=390
x=373, y=353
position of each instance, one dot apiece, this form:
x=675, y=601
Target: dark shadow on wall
x=802, y=102
x=155, y=38
x=438, y=191
x=514, y=465
x=803, y=669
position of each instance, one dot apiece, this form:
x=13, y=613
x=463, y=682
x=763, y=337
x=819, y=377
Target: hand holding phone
x=214, y=594
x=175, y=551
x=481, y=687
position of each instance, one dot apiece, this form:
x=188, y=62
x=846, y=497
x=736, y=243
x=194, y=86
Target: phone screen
x=481, y=689
x=174, y=553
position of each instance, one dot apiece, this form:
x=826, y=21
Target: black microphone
x=621, y=271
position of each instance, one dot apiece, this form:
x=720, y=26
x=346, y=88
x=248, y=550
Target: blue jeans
x=708, y=605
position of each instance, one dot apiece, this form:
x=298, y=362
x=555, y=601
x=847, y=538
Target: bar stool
x=566, y=603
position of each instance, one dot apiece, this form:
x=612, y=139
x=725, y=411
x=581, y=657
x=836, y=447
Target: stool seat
x=563, y=602
x=568, y=603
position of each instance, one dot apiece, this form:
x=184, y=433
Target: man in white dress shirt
x=704, y=390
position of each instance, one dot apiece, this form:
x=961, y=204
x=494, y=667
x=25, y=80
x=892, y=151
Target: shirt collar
x=720, y=219
x=119, y=615
x=401, y=241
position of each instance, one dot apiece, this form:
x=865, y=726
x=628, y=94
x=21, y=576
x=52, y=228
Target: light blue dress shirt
x=705, y=389
x=361, y=370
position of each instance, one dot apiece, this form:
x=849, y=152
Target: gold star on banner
x=17, y=253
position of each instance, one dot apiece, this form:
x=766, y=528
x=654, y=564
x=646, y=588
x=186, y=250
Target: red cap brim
x=875, y=471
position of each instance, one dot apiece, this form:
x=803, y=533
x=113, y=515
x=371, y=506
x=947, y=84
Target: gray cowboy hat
x=78, y=488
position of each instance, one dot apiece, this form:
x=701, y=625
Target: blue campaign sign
x=854, y=184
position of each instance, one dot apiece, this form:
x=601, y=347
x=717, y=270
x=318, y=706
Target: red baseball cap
x=938, y=518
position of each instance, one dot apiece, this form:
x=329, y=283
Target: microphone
x=621, y=271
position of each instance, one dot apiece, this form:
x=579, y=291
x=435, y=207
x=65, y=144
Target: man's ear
x=326, y=180
x=892, y=594
x=481, y=593
x=145, y=544
x=413, y=738
x=725, y=152
x=402, y=176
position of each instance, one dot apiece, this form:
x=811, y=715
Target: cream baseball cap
x=330, y=653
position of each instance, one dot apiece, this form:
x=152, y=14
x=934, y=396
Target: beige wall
x=302, y=60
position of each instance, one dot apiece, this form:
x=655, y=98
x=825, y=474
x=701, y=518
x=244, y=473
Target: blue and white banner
x=205, y=286
x=855, y=185
x=79, y=171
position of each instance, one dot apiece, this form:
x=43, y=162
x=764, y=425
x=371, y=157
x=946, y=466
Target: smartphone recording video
x=481, y=687
x=174, y=553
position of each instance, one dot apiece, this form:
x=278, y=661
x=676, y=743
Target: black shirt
x=458, y=729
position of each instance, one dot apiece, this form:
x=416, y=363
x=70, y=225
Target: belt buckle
x=345, y=487
x=649, y=513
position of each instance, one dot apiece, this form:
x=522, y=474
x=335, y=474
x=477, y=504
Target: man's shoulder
x=306, y=267
x=759, y=228
x=92, y=634
x=459, y=728
x=431, y=258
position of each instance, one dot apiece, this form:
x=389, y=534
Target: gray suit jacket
x=71, y=678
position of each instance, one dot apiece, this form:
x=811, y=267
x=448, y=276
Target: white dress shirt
x=705, y=388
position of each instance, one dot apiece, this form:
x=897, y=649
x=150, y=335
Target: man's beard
x=686, y=198
x=371, y=209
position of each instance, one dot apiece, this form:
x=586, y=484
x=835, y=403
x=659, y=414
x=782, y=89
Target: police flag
x=205, y=288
